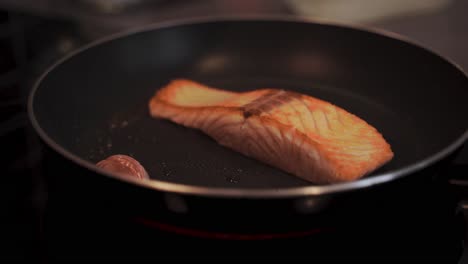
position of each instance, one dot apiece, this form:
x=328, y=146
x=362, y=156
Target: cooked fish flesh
x=297, y=133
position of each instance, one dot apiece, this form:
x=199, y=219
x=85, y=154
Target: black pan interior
x=95, y=104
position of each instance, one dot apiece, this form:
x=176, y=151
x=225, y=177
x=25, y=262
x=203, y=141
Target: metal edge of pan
x=238, y=192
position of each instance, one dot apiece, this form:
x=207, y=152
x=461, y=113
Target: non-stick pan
x=94, y=103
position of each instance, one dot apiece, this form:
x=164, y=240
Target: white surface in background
x=364, y=11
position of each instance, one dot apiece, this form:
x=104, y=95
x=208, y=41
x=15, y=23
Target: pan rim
x=313, y=190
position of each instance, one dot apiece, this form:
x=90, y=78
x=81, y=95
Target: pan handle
x=459, y=180
x=463, y=209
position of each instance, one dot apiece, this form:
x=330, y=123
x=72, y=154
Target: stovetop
x=425, y=229
x=30, y=41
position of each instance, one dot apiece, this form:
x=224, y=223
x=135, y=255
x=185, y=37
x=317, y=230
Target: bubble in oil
x=232, y=178
x=109, y=143
x=200, y=166
x=165, y=171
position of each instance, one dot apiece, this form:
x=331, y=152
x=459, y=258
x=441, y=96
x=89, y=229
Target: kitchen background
x=35, y=33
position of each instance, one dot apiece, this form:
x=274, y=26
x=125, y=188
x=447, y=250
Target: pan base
x=173, y=153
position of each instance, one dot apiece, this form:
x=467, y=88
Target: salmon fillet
x=299, y=134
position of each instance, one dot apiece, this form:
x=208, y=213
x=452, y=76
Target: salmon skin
x=299, y=134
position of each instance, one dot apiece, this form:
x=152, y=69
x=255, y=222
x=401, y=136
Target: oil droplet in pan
x=165, y=171
x=109, y=143
x=232, y=176
x=124, y=124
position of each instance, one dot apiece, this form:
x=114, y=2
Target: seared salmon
x=297, y=133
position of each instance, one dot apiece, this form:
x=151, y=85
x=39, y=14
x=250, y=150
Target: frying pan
x=93, y=104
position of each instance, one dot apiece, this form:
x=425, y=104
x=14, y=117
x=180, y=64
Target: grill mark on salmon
x=297, y=133
x=267, y=102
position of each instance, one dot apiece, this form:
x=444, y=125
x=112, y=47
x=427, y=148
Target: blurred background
x=35, y=33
